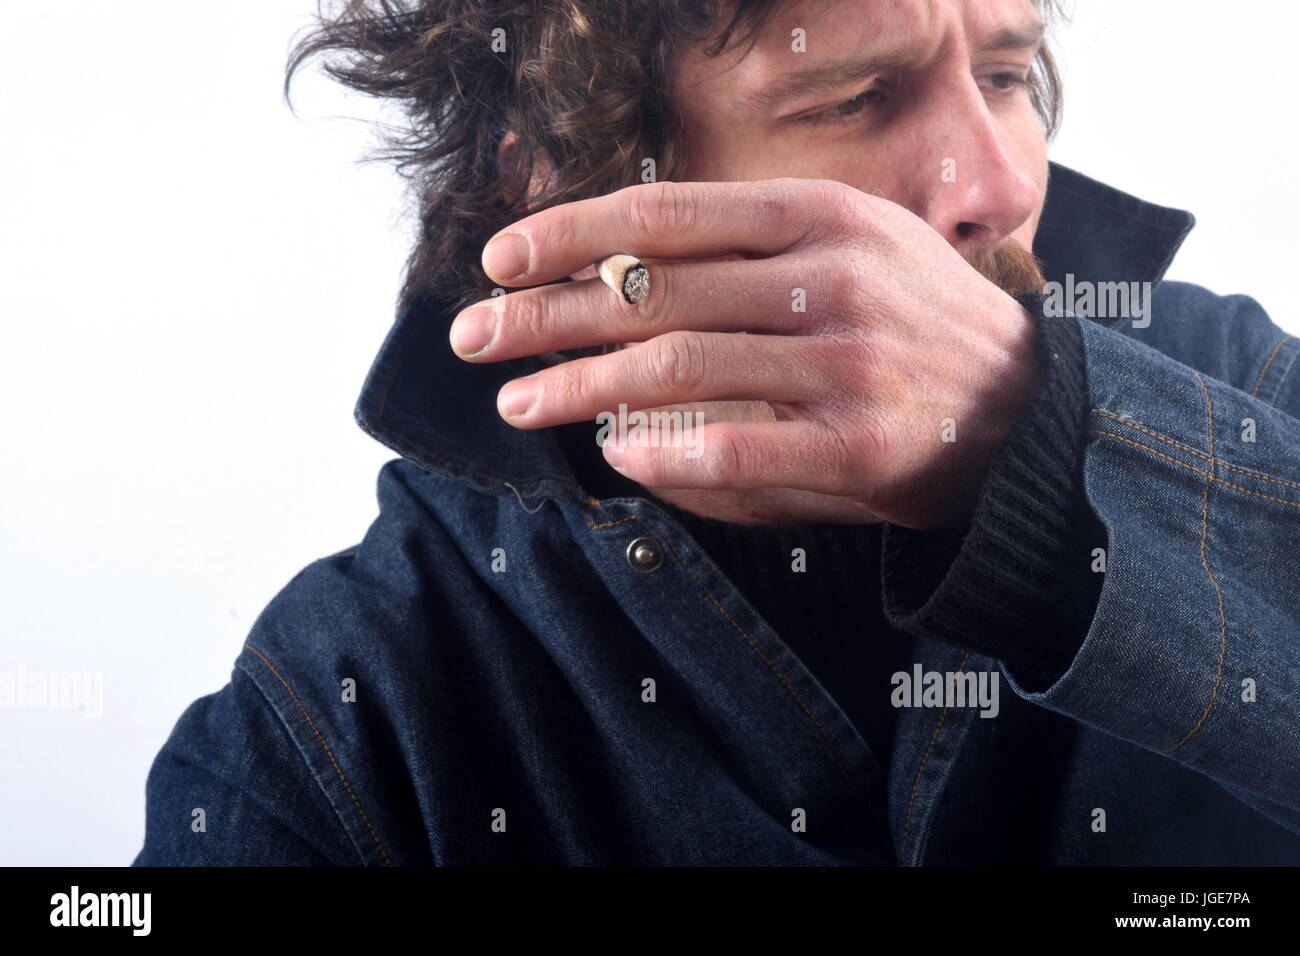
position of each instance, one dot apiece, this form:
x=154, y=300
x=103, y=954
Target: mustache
x=1009, y=266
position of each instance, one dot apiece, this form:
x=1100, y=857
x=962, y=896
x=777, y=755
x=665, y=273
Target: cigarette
x=626, y=275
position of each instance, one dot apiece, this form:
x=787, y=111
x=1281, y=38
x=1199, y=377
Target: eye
x=849, y=108
x=856, y=103
x=1004, y=82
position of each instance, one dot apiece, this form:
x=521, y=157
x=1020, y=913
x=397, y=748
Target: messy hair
x=581, y=82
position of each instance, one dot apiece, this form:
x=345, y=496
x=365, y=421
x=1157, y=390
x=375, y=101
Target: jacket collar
x=439, y=412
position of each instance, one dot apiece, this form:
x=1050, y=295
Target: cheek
x=724, y=152
x=1026, y=145
x=1037, y=152
x=1040, y=172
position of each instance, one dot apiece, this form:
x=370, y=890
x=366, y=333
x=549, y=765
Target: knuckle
x=529, y=316
x=724, y=457
x=872, y=443
x=838, y=453
x=561, y=231
x=840, y=285
x=659, y=209
x=779, y=209
x=570, y=384
x=845, y=210
x=855, y=288
x=835, y=302
x=650, y=471
x=774, y=207
x=677, y=361
x=865, y=353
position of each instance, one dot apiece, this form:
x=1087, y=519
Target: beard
x=1009, y=266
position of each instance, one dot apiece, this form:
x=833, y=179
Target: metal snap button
x=645, y=554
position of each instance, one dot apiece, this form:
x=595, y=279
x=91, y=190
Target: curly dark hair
x=575, y=77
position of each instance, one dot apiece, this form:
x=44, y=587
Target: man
x=954, y=571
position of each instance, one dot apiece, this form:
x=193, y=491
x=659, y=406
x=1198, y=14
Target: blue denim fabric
x=516, y=695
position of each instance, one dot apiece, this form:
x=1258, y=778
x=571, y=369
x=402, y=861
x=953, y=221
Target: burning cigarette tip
x=626, y=275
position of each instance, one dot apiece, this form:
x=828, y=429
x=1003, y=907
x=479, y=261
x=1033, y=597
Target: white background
x=193, y=283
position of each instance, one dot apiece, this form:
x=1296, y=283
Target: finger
x=738, y=456
x=670, y=369
x=677, y=220
x=718, y=296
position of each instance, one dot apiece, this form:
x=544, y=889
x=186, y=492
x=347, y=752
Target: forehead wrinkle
x=1004, y=25
x=902, y=32
x=883, y=36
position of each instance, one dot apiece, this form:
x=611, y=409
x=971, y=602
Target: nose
x=978, y=187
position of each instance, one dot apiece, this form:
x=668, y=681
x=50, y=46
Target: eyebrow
x=832, y=76
x=1026, y=36
x=837, y=75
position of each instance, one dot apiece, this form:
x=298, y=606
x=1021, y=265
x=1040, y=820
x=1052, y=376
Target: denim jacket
x=508, y=670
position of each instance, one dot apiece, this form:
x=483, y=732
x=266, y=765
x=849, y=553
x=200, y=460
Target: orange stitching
x=1203, y=474
x=1209, y=425
x=1169, y=441
x=1223, y=622
x=753, y=646
x=1192, y=451
x=907, y=820
x=1256, y=474
x=607, y=524
x=328, y=753
x=1259, y=381
x=1182, y=464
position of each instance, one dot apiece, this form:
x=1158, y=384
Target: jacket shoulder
x=229, y=788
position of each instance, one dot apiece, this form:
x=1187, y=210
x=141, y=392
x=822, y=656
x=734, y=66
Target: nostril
x=964, y=229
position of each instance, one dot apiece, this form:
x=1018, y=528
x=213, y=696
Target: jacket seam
x=1204, y=474
x=1192, y=451
x=1285, y=374
x=235, y=783
x=1101, y=413
x=1272, y=355
x=1223, y=622
x=925, y=758
x=329, y=753
x=743, y=633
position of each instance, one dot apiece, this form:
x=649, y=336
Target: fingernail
x=517, y=397
x=472, y=330
x=506, y=256
x=613, y=455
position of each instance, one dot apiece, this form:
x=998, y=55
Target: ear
x=543, y=170
x=513, y=187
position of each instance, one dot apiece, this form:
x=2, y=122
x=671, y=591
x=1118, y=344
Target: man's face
x=922, y=102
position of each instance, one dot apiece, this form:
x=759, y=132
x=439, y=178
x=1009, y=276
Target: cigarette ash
x=636, y=284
